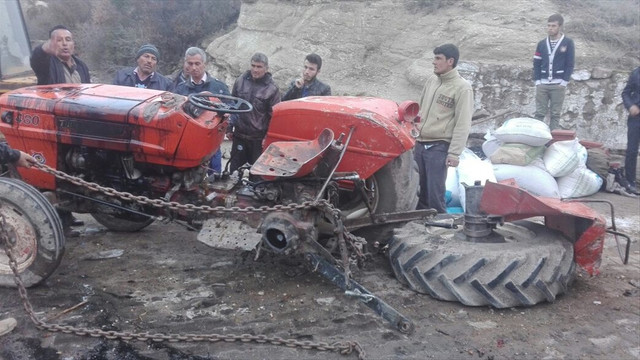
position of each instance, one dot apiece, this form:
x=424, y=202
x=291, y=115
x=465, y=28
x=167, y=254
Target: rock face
x=383, y=48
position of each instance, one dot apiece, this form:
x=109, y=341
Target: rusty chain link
x=344, y=348
x=160, y=203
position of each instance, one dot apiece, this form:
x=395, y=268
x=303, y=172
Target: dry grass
x=606, y=24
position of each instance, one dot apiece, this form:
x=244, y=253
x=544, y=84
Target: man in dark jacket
x=198, y=80
x=631, y=100
x=553, y=64
x=182, y=76
x=308, y=84
x=248, y=129
x=19, y=158
x=54, y=61
x=195, y=60
x=144, y=75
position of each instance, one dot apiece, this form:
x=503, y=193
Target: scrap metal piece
x=292, y=158
x=222, y=233
x=579, y=223
x=381, y=308
x=389, y=218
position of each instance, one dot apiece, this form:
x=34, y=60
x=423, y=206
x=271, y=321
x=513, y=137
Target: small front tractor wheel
x=34, y=230
x=533, y=265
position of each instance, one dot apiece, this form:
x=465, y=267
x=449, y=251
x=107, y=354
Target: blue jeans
x=216, y=162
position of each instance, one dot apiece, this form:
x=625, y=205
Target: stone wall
x=384, y=48
x=592, y=107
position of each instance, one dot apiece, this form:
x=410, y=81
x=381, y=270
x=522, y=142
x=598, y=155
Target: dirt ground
x=162, y=280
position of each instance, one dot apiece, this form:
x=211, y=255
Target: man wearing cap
x=54, y=61
x=144, y=75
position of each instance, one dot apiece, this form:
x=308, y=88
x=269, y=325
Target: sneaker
x=622, y=180
x=7, y=325
x=619, y=177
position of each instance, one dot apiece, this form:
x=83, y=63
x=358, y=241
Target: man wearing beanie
x=144, y=75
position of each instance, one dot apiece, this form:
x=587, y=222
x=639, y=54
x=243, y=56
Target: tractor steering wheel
x=227, y=104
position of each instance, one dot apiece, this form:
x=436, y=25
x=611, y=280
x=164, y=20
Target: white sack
x=452, y=185
x=581, y=182
x=527, y=131
x=491, y=144
x=470, y=169
x=562, y=157
x=532, y=178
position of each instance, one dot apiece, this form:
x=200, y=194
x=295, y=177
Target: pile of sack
x=523, y=149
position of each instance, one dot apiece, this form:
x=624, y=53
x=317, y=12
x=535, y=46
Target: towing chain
x=323, y=205
x=344, y=348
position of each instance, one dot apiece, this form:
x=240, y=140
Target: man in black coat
x=54, y=61
x=19, y=158
x=631, y=100
x=308, y=84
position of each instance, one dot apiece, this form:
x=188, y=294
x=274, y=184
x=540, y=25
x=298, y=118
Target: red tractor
x=332, y=166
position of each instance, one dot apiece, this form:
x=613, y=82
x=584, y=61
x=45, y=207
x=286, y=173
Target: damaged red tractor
x=332, y=167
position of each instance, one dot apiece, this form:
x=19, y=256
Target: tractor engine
x=120, y=171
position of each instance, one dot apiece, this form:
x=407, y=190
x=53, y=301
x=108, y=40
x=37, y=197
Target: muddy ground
x=165, y=281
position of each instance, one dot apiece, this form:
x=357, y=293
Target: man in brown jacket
x=247, y=130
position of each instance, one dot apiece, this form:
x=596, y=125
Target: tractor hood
x=151, y=125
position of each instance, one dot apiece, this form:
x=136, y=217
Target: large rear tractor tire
x=535, y=264
x=393, y=188
x=34, y=230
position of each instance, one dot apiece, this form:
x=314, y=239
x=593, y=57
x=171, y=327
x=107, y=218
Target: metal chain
x=160, y=203
x=323, y=205
x=344, y=348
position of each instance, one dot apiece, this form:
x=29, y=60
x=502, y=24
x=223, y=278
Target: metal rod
x=344, y=150
x=102, y=202
x=612, y=229
x=329, y=271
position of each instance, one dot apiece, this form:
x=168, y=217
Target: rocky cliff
x=384, y=48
